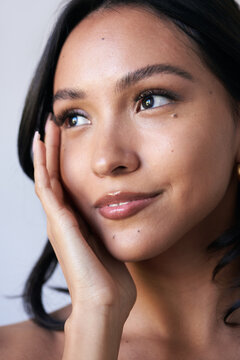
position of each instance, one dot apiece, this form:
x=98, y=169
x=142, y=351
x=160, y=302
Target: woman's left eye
x=153, y=101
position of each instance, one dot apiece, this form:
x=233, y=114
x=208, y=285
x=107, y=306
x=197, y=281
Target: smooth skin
x=140, y=287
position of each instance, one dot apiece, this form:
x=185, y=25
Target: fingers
x=42, y=180
x=39, y=160
x=52, y=142
x=56, y=210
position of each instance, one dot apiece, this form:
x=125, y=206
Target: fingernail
x=35, y=139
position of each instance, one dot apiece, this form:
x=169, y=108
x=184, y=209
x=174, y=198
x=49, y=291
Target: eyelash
x=161, y=92
x=62, y=118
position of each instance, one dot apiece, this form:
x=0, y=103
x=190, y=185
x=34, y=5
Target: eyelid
x=169, y=94
x=157, y=91
x=61, y=118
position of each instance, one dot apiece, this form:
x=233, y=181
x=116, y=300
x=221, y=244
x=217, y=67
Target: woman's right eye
x=70, y=119
x=75, y=120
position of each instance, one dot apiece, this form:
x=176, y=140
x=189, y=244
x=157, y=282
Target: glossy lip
x=118, y=196
x=126, y=204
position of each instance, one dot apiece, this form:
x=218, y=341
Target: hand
x=94, y=278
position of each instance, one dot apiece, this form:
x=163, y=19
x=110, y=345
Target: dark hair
x=214, y=26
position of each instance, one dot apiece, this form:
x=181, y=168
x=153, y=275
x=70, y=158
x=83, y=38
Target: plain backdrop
x=24, y=26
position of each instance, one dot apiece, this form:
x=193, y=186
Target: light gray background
x=24, y=26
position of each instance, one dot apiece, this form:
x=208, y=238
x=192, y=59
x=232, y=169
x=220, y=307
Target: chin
x=134, y=245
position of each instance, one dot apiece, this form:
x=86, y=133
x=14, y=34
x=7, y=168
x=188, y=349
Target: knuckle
x=38, y=189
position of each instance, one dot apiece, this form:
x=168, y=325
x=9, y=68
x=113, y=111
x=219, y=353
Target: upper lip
x=116, y=197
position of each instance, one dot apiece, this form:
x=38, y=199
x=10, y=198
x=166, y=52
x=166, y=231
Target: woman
x=137, y=104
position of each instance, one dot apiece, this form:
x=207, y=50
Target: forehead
x=112, y=42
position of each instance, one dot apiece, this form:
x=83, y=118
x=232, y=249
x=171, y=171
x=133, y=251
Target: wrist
x=83, y=317
x=93, y=334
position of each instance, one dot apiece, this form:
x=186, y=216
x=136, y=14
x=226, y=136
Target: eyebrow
x=128, y=80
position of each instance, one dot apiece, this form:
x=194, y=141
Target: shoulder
x=26, y=340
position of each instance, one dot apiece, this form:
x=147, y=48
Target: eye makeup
x=147, y=94
x=66, y=116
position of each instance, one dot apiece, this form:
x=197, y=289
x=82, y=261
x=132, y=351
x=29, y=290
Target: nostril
x=119, y=169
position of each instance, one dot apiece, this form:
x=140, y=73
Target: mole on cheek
x=113, y=237
x=174, y=115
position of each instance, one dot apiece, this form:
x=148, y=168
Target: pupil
x=73, y=121
x=148, y=102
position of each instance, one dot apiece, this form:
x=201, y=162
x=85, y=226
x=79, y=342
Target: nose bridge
x=113, y=151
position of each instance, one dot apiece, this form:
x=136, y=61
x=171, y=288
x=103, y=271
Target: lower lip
x=124, y=211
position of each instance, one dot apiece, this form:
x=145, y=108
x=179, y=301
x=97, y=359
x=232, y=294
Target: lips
x=120, y=205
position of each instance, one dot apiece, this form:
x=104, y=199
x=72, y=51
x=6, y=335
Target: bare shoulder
x=27, y=341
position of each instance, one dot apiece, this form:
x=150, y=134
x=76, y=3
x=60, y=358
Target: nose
x=114, y=153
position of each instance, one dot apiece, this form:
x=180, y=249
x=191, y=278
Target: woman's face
x=142, y=115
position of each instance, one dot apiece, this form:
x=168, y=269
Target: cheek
x=196, y=161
